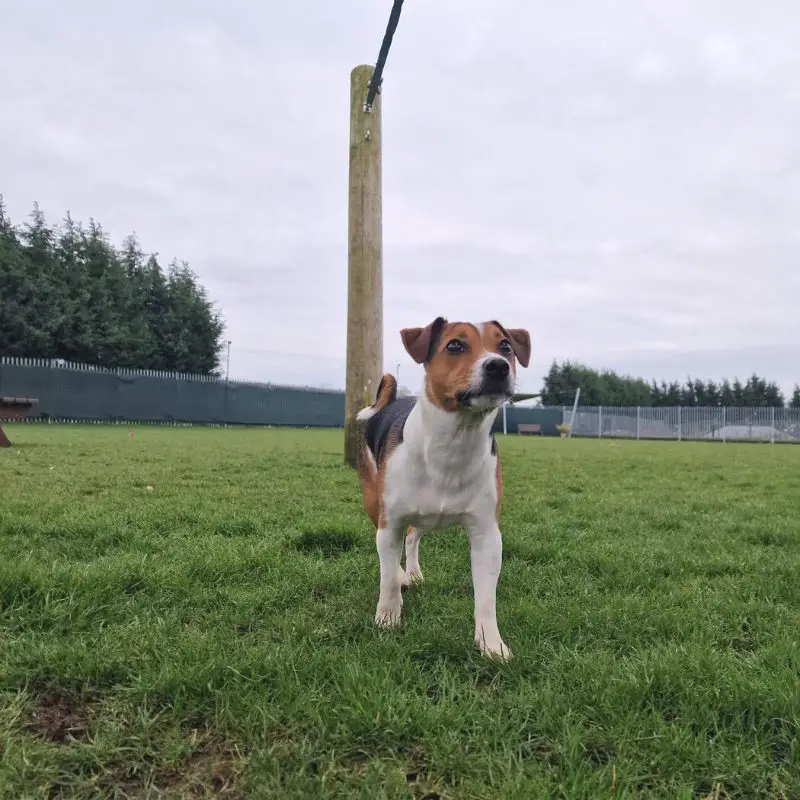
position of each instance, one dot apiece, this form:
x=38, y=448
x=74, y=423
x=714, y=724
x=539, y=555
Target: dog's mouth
x=487, y=398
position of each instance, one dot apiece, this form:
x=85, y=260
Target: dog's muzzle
x=496, y=384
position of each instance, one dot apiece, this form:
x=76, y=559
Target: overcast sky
x=622, y=178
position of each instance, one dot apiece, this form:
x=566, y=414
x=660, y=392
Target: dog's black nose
x=497, y=369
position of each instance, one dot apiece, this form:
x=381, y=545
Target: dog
x=426, y=463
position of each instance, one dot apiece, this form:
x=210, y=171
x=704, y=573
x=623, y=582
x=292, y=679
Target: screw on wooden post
x=364, y=259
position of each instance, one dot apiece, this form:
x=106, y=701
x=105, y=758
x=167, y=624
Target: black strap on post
x=377, y=76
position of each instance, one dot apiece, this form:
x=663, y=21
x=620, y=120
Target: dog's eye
x=505, y=346
x=455, y=346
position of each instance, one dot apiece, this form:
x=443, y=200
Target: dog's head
x=468, y=366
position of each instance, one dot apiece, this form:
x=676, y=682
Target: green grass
x=189, y=613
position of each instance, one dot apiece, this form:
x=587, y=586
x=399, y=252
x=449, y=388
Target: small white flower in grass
x=149, y=488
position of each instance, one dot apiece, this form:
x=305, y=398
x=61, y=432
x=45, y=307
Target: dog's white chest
x=434, y=499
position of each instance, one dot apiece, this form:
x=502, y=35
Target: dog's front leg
x=389, y=541
x=486, y=552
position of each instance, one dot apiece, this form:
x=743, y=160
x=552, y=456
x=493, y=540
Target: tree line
x=68, y=293
x=607, y=388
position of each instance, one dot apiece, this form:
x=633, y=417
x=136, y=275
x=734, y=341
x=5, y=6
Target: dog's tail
x=387, y=392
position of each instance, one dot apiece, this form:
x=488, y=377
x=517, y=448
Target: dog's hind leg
x=413, y=569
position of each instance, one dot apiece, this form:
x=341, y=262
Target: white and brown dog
x=431, y=462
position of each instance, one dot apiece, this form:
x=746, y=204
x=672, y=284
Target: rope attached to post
x=377, y=76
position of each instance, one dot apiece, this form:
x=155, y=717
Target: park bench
x=13, y=408
x=531, y=428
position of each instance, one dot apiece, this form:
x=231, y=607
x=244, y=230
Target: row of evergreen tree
x=68, y=293
x=607, y=388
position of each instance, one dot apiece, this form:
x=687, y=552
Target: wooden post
x=364, y=260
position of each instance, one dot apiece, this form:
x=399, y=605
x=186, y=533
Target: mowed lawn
x=189, y=613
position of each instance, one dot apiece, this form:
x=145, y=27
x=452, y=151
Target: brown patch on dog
x=366, y=467
x=371, y=474
x=519, y=337
x=387, y=392
x=448, y=374
x=368, y=478
x=62, y=717
x=373, y=477
x=494, y=333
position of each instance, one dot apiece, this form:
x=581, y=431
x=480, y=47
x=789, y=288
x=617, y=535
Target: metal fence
x=85, y=393
x=82, y=392
x=697, y=423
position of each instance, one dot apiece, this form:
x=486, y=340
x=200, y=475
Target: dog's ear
x=520, y=342
x=419, y=342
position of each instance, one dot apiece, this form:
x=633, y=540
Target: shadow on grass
x=327, y=543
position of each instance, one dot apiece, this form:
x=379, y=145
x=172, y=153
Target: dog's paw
x=404, y=579
x=414, y=577
x=494, y=649
x=410, y=578
x=388, y=615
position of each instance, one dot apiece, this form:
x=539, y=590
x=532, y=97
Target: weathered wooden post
x=364, y=258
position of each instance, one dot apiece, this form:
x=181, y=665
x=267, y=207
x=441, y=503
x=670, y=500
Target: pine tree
x=194, y=329
x=656, y=395
x=712, y=394
x=42, y=295
x=552, y=389
x=773, y=395
x=74, y=333
x=70, y=294
x=141, y=348
x=156, y=305
x=726, y=394
x=106, y=299
x=673, y=394
x=739, y=396
x=688, y=395
x=16, y=290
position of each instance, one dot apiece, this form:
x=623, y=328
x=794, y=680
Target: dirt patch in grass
x=212, y=769
x=62, y=717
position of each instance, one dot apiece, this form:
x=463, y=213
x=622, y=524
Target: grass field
x=189, y=613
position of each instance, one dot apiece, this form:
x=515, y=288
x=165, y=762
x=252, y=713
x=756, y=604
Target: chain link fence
x=725, y=424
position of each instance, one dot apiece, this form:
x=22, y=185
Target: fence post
x=574, y=412
x=772, y=426
x=680, y=433
x=364, y=259
x=599, y=422
x=724, y=423
x=638, y=422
